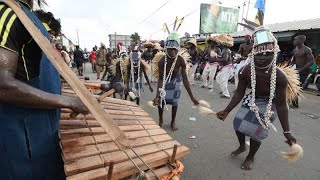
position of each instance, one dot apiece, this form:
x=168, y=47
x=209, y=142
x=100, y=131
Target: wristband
x=287, y=132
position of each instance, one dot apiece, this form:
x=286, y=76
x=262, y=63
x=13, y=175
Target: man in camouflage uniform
x=101, y=60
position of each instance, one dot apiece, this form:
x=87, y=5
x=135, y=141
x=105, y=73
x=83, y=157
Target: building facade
x=115, y=38
x=286, y=31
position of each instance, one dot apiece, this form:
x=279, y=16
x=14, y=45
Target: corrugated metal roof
x=287, y=26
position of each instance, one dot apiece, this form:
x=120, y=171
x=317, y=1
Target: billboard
x=218, y=19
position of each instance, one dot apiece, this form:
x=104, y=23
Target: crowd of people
x=170, y=64
x=256, y=68
x=167, y=64
x=216, y=63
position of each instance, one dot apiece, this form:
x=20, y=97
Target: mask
x=135, y=56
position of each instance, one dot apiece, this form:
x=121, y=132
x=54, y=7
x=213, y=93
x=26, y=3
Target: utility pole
x=244, y=5
x=115, y=40
x=248, y=9
x=78, y=38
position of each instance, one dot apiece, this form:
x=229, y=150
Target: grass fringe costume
x=124, y=62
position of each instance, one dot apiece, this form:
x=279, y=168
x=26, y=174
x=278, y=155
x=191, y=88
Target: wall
x=114, y=39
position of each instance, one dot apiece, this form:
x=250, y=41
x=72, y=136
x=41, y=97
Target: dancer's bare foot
x=173, y=127
x=161, y=123
x=247, y=164
x=238, y=151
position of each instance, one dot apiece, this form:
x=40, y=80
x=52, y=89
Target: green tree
x=135, y=37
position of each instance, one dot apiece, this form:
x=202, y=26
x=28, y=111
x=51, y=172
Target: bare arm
x=128, y=76
x=310, y=59
x=281, y=102
x=240, y=49
x=160, y=81
x=282, y=107
x=146, y=76
x=13, y=91
x=293, y=59
x=118, y=75
x=218, y=51
x=197, y=55
x=241, y=52
x=205, y=53
x=186, y=81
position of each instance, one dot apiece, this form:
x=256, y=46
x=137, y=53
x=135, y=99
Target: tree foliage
x=135, y=37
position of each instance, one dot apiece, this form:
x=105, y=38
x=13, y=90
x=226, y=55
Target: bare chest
x=301, y=57
x=262, y=83
x=300, y=53
x=175, y=68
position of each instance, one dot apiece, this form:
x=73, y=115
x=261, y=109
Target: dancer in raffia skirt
x=271, y=89
x=171, y=69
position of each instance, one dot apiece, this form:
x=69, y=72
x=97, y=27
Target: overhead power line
x=215, y=1
x=154, y=12
x=197, y=10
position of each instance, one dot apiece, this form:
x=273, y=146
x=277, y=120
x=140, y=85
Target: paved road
x=210, y=151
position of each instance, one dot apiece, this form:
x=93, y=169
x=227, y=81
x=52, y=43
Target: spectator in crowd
x=79, y=60
x=302, y=59
x=65, y=56
x=93, y=59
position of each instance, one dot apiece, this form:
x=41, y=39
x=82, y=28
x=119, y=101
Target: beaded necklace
x=166, y=79
x=265, y=121
x=121, y=71
x=132, y=77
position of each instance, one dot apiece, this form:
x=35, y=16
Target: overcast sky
x=95, y=19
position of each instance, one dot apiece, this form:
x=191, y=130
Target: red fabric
x=93, y=57
x=58, y=51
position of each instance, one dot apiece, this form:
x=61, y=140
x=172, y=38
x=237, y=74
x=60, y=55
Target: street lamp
x=78, y=38
x=115, y=40
x=109, y=36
